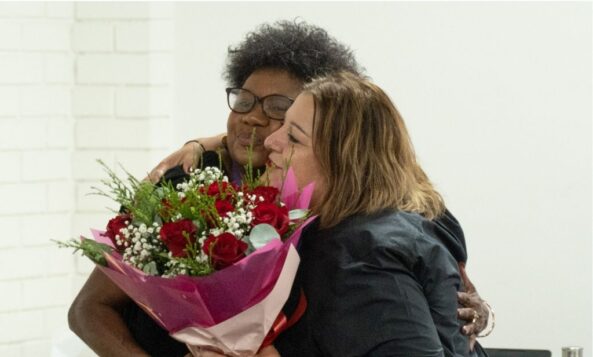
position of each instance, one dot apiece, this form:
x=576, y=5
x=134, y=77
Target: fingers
x=471, y=302
x=465, y=299
x=189, y=163
x=155, y=175
x=469, y=329
x=472, y=342
x=470, y=317
x=466, y=314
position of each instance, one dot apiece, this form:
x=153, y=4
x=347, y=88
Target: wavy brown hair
x=365, y=153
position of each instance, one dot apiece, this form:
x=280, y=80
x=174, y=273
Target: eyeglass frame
x=259, y=100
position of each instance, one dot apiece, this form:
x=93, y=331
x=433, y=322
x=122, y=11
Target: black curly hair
x=304, y=50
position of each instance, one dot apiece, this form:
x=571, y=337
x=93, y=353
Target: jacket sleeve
x=441, y=280
x=448, y=231
x=374, y=307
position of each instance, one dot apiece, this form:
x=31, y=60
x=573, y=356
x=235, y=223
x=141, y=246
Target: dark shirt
x=378, y=285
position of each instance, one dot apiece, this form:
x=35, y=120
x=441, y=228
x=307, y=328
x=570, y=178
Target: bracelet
x=197, y=142
x=491, y=322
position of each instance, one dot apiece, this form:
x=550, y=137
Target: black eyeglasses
x=242, y=101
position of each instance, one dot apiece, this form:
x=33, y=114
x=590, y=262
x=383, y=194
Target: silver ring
x=476, y=317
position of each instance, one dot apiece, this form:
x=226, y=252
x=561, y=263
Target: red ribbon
x=282, y=323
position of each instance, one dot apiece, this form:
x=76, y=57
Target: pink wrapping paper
x=205, y=301
x=245, y=341
x=231, y=309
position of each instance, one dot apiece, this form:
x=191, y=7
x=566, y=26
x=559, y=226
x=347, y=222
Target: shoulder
x=386, y=241
x=404, y=234
x=448, y=230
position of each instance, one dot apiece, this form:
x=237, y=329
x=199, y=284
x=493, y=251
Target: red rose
x=273, y=215
x=223, y=207
x=220, y=189
x=269, y=193
x=177, y=235
x=113, y=227
x=224, y=250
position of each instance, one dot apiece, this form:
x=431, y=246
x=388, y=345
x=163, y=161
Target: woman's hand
x=474, y=311
x=187, y=156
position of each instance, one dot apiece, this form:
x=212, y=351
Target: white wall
x=35, y=185
x=78, y=82
x=497, y=97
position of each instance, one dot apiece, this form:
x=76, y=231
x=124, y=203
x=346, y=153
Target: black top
x=157, y=342
x=379, y=285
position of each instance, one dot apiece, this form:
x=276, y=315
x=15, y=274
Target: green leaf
x=151, y=269
x=297, y=214
x=260, y=235
x=89, y=248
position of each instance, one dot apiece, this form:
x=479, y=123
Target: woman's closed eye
x=292, y=139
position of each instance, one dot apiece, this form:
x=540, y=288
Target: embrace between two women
x=381, y=266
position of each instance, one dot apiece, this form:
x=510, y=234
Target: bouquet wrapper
x=245, y=341
x=231, y=310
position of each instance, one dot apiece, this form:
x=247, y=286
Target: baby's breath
x=151, y=206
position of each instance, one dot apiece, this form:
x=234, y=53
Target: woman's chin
x=274, y=175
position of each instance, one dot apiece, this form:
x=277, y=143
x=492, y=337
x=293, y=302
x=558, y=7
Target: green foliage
x=93, y=250
x=253, y=177
x=139, y=198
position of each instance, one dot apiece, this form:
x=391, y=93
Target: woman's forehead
x=301, y=112
x=265, y=82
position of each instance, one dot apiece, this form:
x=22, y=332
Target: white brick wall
x=124, y=11
x=92, y=101
x=58, y=68
x=21, y=68
x=123, y=68
x=78, y=82
x=48, y=35
x=133, y=36
x=92, y=37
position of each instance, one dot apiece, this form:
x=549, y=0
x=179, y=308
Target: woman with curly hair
x=286, y=53
x=265, y=73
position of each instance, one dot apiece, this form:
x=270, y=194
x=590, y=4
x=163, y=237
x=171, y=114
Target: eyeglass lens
x=243, y=101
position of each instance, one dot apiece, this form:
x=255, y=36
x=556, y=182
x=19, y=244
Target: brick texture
x=78, y=82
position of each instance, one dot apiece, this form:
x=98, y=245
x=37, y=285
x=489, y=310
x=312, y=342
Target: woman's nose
x=272, y=143
x=255, y=117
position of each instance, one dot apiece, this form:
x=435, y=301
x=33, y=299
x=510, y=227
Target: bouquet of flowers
x=212, y=262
